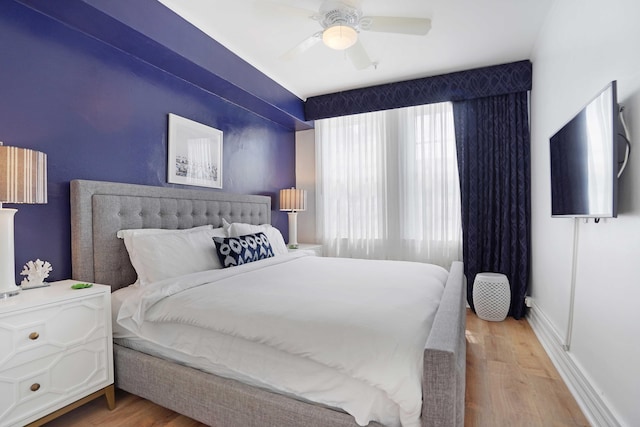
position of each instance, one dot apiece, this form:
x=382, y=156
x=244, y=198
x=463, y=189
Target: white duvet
x=345, y=333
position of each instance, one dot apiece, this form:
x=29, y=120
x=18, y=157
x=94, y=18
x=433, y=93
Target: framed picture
x=195, y=153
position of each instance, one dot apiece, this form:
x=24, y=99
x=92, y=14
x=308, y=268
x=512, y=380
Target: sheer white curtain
x=387, y=185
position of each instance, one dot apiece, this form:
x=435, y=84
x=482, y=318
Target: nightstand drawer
x=56, y=351
x=53, y=380
x=41, y=331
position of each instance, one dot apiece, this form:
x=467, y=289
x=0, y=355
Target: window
x=388, y=185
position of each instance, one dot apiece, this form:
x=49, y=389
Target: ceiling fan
x=341, y=24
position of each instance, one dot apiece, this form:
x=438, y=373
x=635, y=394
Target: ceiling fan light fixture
x=340, y=37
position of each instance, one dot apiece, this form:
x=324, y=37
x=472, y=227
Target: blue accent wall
x=100, y=112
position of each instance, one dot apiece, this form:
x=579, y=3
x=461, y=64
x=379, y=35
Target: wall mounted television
x=585, y=160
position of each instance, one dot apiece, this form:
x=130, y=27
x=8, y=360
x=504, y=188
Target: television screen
x=584, y=161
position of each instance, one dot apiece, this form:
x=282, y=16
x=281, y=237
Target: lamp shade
x=339, y=37
x=292, y=199
x=23, y=175
x=23, y=179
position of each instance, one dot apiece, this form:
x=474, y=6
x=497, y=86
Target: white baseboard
x=594, y=408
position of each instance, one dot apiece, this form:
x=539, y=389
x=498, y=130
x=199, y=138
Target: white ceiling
x=464, y=34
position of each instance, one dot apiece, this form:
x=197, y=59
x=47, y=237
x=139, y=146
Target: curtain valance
x=464, y=85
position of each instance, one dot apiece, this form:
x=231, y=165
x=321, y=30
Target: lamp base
x=293, y=229
x=8, y=286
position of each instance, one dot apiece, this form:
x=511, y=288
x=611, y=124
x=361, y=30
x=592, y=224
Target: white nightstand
x=315, y=247
x=56, y=353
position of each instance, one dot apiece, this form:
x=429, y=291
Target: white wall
x=306, y=179
x=582, y=46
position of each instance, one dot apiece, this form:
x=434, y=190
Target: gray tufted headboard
x=99, y=209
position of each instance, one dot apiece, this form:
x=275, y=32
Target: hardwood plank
x=523, y=386
x=130, y=410
x=510, y=382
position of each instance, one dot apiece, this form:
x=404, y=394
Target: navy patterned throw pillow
x=240, y=250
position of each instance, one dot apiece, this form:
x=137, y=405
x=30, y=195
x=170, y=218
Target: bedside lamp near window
x=292, y=201
x=23, y=179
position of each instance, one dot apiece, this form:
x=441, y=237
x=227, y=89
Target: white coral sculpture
x=36, y=271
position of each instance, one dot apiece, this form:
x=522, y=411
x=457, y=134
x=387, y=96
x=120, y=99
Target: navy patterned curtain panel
x=463, y=85
x=492, y=139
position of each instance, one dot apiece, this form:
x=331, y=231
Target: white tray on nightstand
x=315, y=247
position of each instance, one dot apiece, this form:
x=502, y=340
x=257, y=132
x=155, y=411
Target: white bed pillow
x=158, y=256
x=226, y=225
x=125, y=234
x=273, y=234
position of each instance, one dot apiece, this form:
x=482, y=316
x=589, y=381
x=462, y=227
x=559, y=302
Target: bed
x=100, y=209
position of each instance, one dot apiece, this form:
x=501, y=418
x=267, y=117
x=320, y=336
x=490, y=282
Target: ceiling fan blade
x=358, y=56
x=302, y=47
x=392, y=24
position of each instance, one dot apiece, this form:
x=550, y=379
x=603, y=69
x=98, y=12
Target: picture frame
x=194, y=153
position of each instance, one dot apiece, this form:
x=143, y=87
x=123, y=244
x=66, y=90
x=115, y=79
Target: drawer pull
x=34, y=336
x=35, y=387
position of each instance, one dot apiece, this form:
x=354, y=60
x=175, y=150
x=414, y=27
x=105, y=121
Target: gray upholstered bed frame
x=100, y=209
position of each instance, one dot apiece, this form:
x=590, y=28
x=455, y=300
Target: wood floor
x=510, y=382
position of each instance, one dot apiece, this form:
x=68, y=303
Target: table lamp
x=292, y=201
x=23, y=179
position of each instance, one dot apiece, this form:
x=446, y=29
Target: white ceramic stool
x=491, y=296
